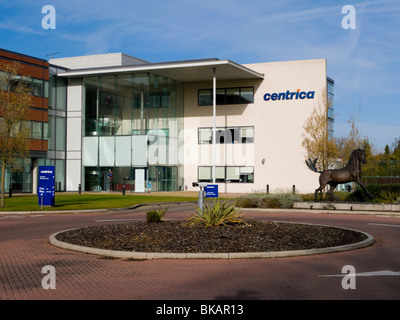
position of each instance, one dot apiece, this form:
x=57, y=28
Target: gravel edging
x=228, y=255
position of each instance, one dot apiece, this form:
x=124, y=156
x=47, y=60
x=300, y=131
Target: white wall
x=278, y=127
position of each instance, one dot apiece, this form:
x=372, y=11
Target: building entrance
x=163, y=178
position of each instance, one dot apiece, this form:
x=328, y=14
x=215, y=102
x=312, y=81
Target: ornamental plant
x=217, y=215
x=155, y=215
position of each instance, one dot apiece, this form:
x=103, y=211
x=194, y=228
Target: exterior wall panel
x=278, y=127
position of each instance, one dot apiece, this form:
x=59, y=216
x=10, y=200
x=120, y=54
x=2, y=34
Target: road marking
x=111, y=220
x=366, y=274
x=385, y=225
x=12, y=217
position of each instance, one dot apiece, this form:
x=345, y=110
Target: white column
x=34, y=175
x=214, y=151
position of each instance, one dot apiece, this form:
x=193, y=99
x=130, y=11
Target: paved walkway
x=25, y=250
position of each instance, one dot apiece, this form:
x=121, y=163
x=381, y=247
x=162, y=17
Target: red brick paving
x=25, y=249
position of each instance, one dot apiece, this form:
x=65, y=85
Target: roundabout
x=82, y=276
x=174, y=239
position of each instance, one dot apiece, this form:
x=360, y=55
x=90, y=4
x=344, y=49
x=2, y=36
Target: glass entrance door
x=163, y=178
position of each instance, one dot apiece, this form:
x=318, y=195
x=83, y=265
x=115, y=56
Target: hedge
x=386, y=193
x=282, y=200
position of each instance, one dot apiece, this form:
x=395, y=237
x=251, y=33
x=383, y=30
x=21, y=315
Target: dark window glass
x=205, y=97
x=226, y=96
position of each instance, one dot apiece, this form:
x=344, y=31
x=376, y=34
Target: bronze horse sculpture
x=351, y=172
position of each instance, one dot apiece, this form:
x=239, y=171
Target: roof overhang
x=184, y=71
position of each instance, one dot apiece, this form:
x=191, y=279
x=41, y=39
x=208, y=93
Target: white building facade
x=150, y=126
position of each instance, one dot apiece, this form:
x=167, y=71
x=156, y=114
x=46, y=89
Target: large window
x=58, y=93
x=240, y=95
x=38, y=87
x=229, y=174
x=130, y=104
x=37, y=130
x=227, y=135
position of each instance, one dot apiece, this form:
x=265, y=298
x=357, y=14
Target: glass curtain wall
x=131, y=126
x=19, y=180
x=331, y=108
x=57, y=128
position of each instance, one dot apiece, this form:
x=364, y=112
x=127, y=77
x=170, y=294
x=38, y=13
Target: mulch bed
x=179, y=237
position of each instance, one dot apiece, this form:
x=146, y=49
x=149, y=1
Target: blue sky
x=364, y=62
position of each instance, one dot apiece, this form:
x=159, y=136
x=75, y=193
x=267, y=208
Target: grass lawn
x=66, y=201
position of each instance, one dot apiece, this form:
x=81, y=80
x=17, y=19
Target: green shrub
x=270, y=202
x=216, y=215
x=248, y=202
x=341, y=195
x=155, y=215
x=280, y=200
x=287, y=200
x=385, y=193
x=389, y=196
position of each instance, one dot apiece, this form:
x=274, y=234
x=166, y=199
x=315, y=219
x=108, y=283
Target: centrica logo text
x=289, y=95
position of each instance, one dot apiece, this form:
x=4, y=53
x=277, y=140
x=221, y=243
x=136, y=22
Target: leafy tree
x=386, y=153
x=396, y=148
x=371, y=167
x=396, y=155
x=316, y=140
x=15, y=99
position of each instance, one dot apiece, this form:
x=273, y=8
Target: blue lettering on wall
x=289, y=95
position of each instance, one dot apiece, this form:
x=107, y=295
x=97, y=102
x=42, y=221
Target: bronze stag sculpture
x=351, y=172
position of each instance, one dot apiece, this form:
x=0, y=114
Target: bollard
x=294, y=189
x=267, y=188
x=10, y=192
x=79, y=189
x=201, y=199
x=123, y=190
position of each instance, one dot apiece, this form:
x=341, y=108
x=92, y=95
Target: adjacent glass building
x=331, y=107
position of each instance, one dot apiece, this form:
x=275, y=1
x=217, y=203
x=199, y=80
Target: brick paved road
x=25, y=249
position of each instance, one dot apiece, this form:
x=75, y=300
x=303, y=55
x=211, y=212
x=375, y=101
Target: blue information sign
x=46, y=185
x=211, y=191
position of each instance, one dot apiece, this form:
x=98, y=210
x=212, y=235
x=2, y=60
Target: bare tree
x=15, y=99
x=354, y=140
x=316, y=140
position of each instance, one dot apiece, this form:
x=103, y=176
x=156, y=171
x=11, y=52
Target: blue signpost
x=46, y=186
x=211, y=191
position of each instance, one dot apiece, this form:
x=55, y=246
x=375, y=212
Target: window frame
x=222, y=96
x=240, y=177
x=236, y=137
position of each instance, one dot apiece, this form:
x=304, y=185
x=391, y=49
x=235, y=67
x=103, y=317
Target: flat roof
x=184, y=71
